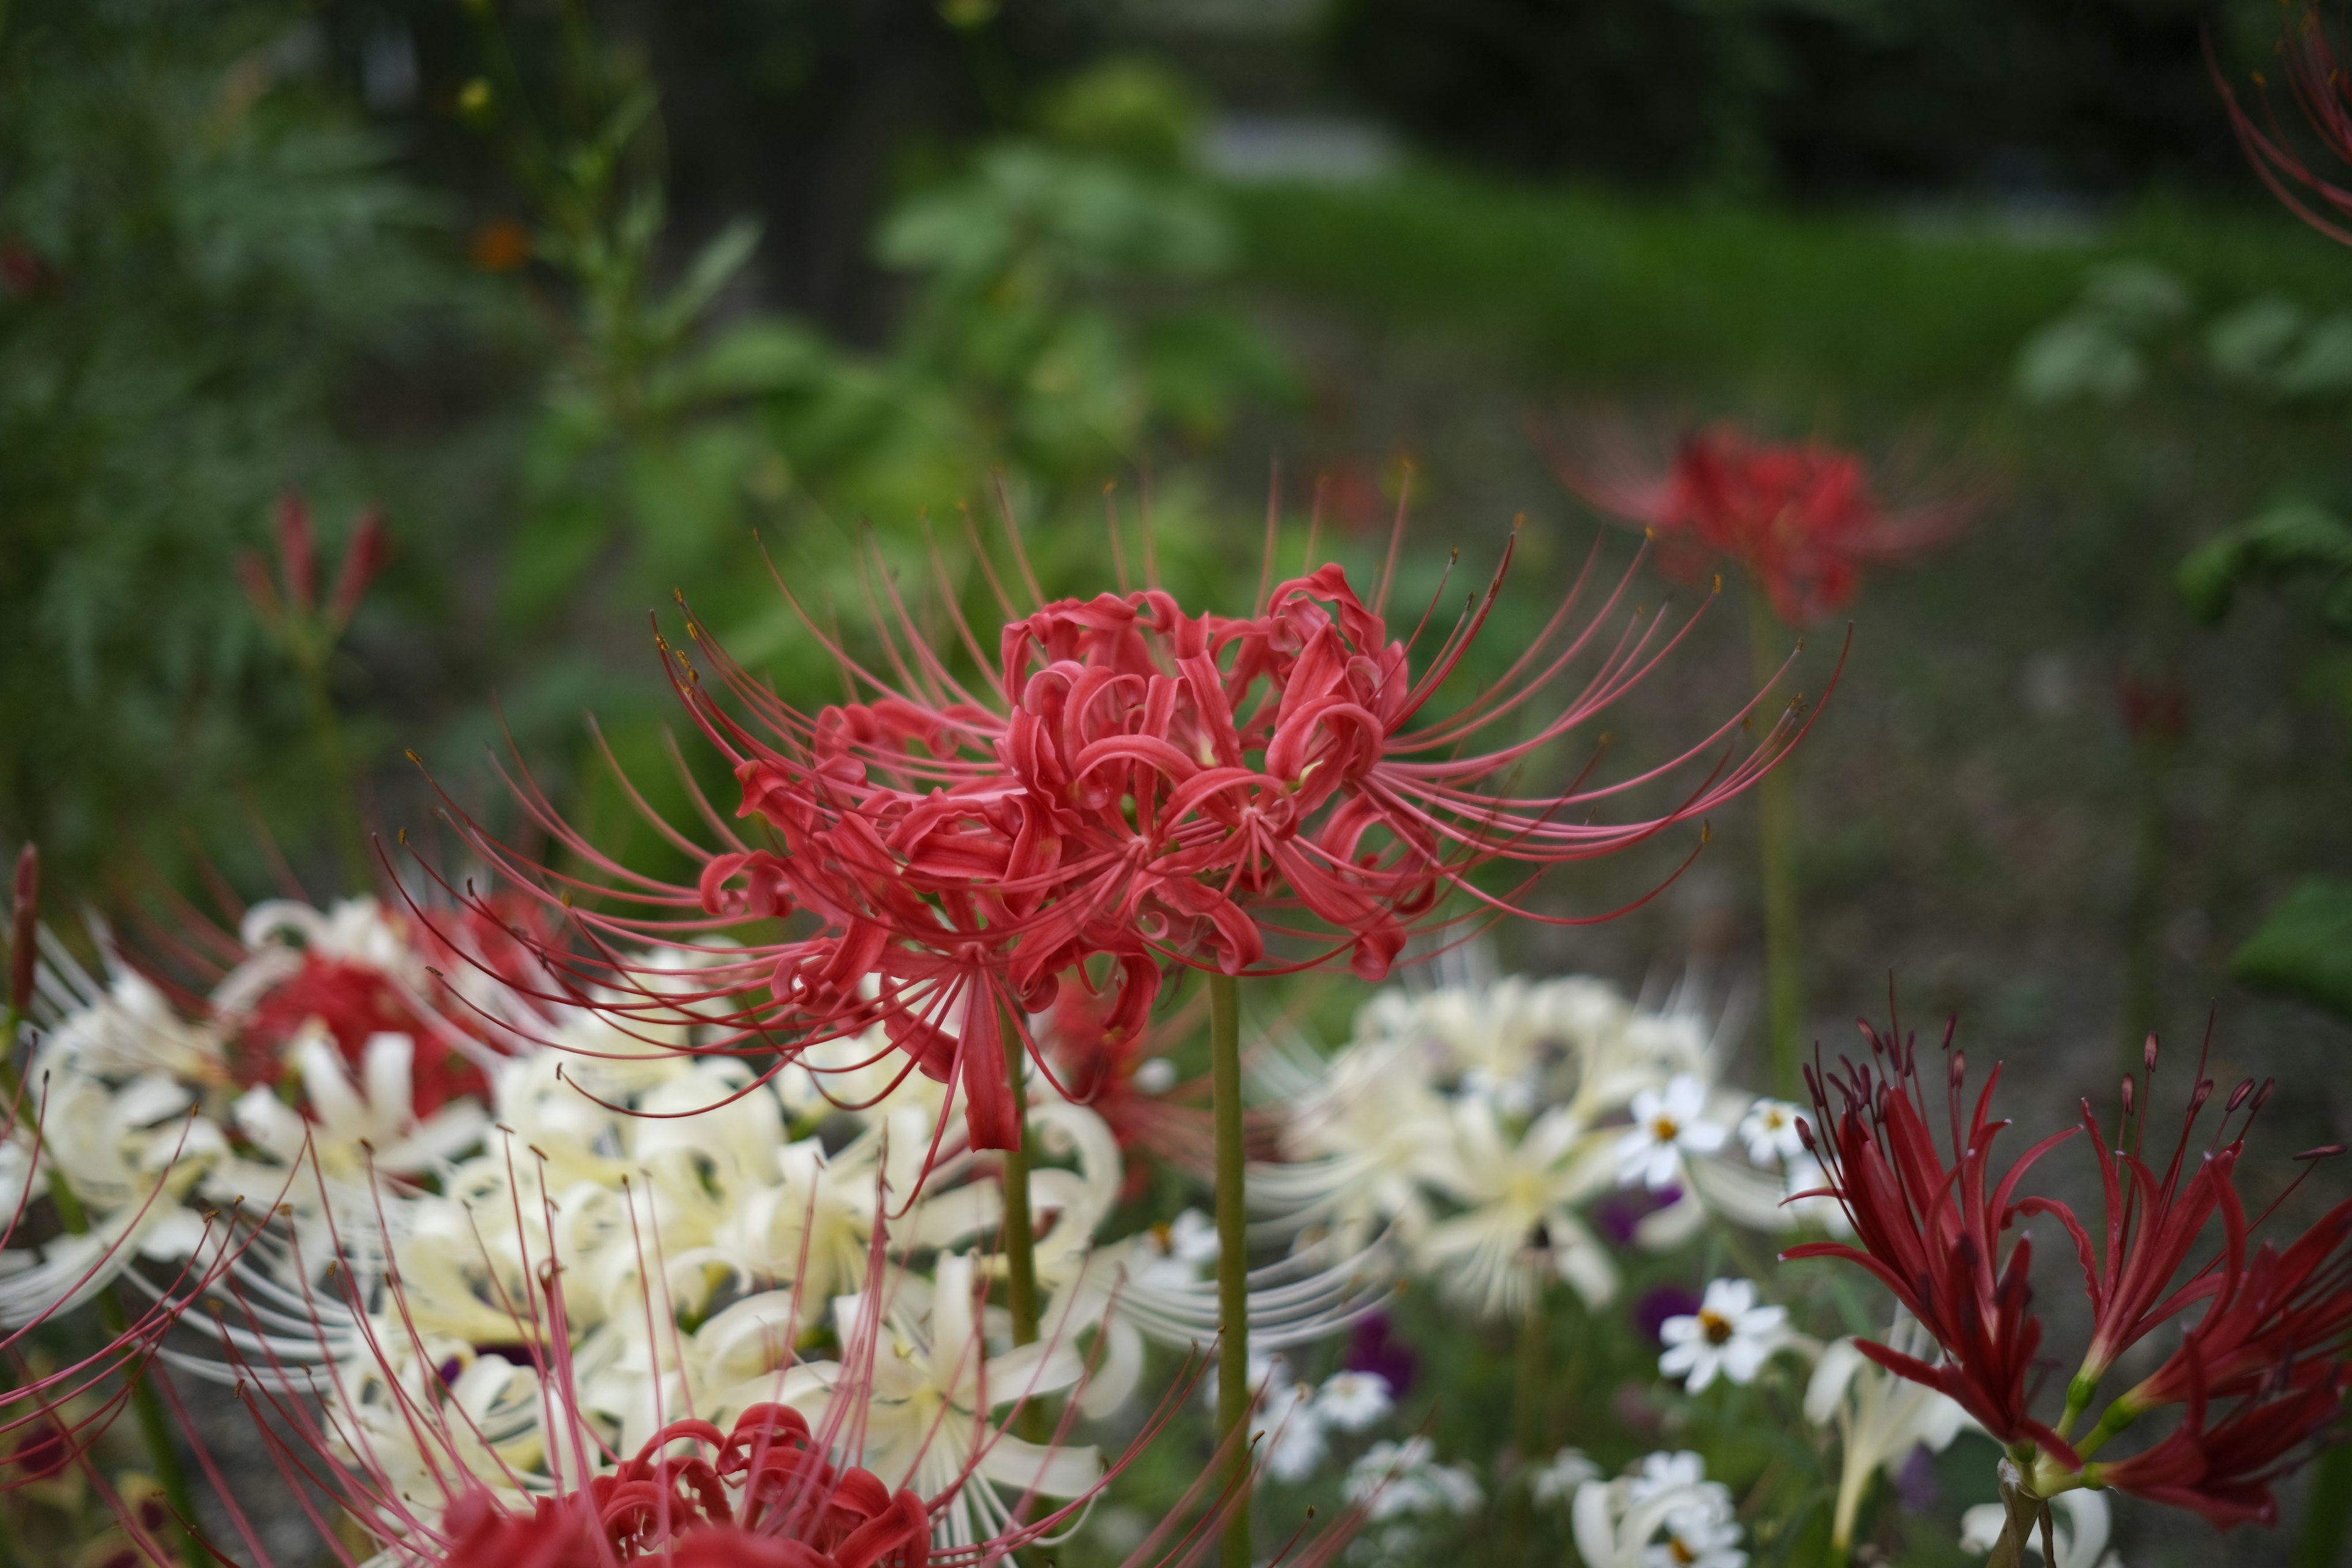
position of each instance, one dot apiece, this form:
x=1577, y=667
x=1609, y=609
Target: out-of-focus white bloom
x=1669, y=1126
x=1769, y=1131
x=1176, y=1253
x=1805, y=1176
x=1699, y=1535
x=934, y=1383
x=1518, y=1227
x=1880, y=1417
x=2080, y=1521
x=1555, y=1479
x=1352, y=1401
x=1618, y=1522
x=1392, y=1479
x=1730, y=1334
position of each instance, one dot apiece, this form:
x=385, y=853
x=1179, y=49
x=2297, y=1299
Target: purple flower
x=1660, y=1302
x=1371, y=1349
x=1915, y=1484
x=1618, y=1212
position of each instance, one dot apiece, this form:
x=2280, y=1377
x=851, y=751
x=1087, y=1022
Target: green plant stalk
x=146, y=1407
x=2142, y=935
x=1232, y=1263
x=1021, y=1232
x=1531, y=1397
x=335, y=764
x=2322, y=1545
x=1776, y=813
x=1020, y=1226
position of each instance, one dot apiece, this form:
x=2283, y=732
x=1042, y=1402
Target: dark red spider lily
x=2285, y=1316
x=294, y=614
x=1931, y=1230
x=2271, y=1334
x=2153, y=1223
x=1135, y=786
x=1799, y=518
x=1118, y=1077
x=2316, y=81
x=2224, y=1469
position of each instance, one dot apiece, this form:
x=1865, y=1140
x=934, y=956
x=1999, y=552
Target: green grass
x=1581, y=287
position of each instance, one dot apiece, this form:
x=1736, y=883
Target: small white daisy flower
x=1556, y=1480
x=1352, y=1401
x=1666, y=1127
x=1769, y=1131
x=1730, y=1334
x=1700, y=1535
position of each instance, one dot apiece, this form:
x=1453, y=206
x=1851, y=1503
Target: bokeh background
x=593, y=304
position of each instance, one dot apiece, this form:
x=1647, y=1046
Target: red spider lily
x=296, y=617
x=1135, y=786
x=1800, y=517
x=2224, y=1469
x=800, y=1511
x=1932, y=1231
x=352, y=1001
x=2316, y=81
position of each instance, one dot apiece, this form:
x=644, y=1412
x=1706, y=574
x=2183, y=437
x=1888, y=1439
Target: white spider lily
x=1399, y=1478
x=927, y=1419
x=2080, y=1525
x=1516, y=1228
x=1880, y=1417
x=1617, y=1522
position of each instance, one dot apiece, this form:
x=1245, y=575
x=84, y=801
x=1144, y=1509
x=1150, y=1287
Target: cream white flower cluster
x=521, y=1288
x=1477, y=1124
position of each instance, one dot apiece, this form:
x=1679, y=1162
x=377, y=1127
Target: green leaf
x=2304, y=947
x=2247, y=342
x=2296, y=539
x=714, y=266
x=2079, y=356
x=2322, y=365
x=761, y=357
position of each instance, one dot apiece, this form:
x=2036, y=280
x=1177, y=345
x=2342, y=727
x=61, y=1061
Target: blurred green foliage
x=200, y=243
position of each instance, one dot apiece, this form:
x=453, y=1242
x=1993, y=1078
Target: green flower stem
x=146, y=1407
x=2322, y=1545
x=335, y=764
x=1020, y=1228
x=1532, y=1395
x=1776, y=810
x=1232, y=1263
x=1021, y=1232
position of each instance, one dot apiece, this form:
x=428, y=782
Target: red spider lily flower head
x=1932, y=1229
x=288, y=606
x=2316, y=81
x=760, y=1496
x=2224, y=1469
x=1135, y=786
x=1799, y=518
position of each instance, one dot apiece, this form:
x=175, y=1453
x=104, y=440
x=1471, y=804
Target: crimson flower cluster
x=1800, y=517
x=1134, y=786
x=798, y=1511
x=2314, y=79
x=2272, y=1328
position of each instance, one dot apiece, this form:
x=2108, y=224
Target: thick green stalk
x=146, y=1408
x=2331, y=1505
x=1233, y=1262
x=1019, y=1228
x=1532, y=1396
x=1776, y=810
x=335, y=764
